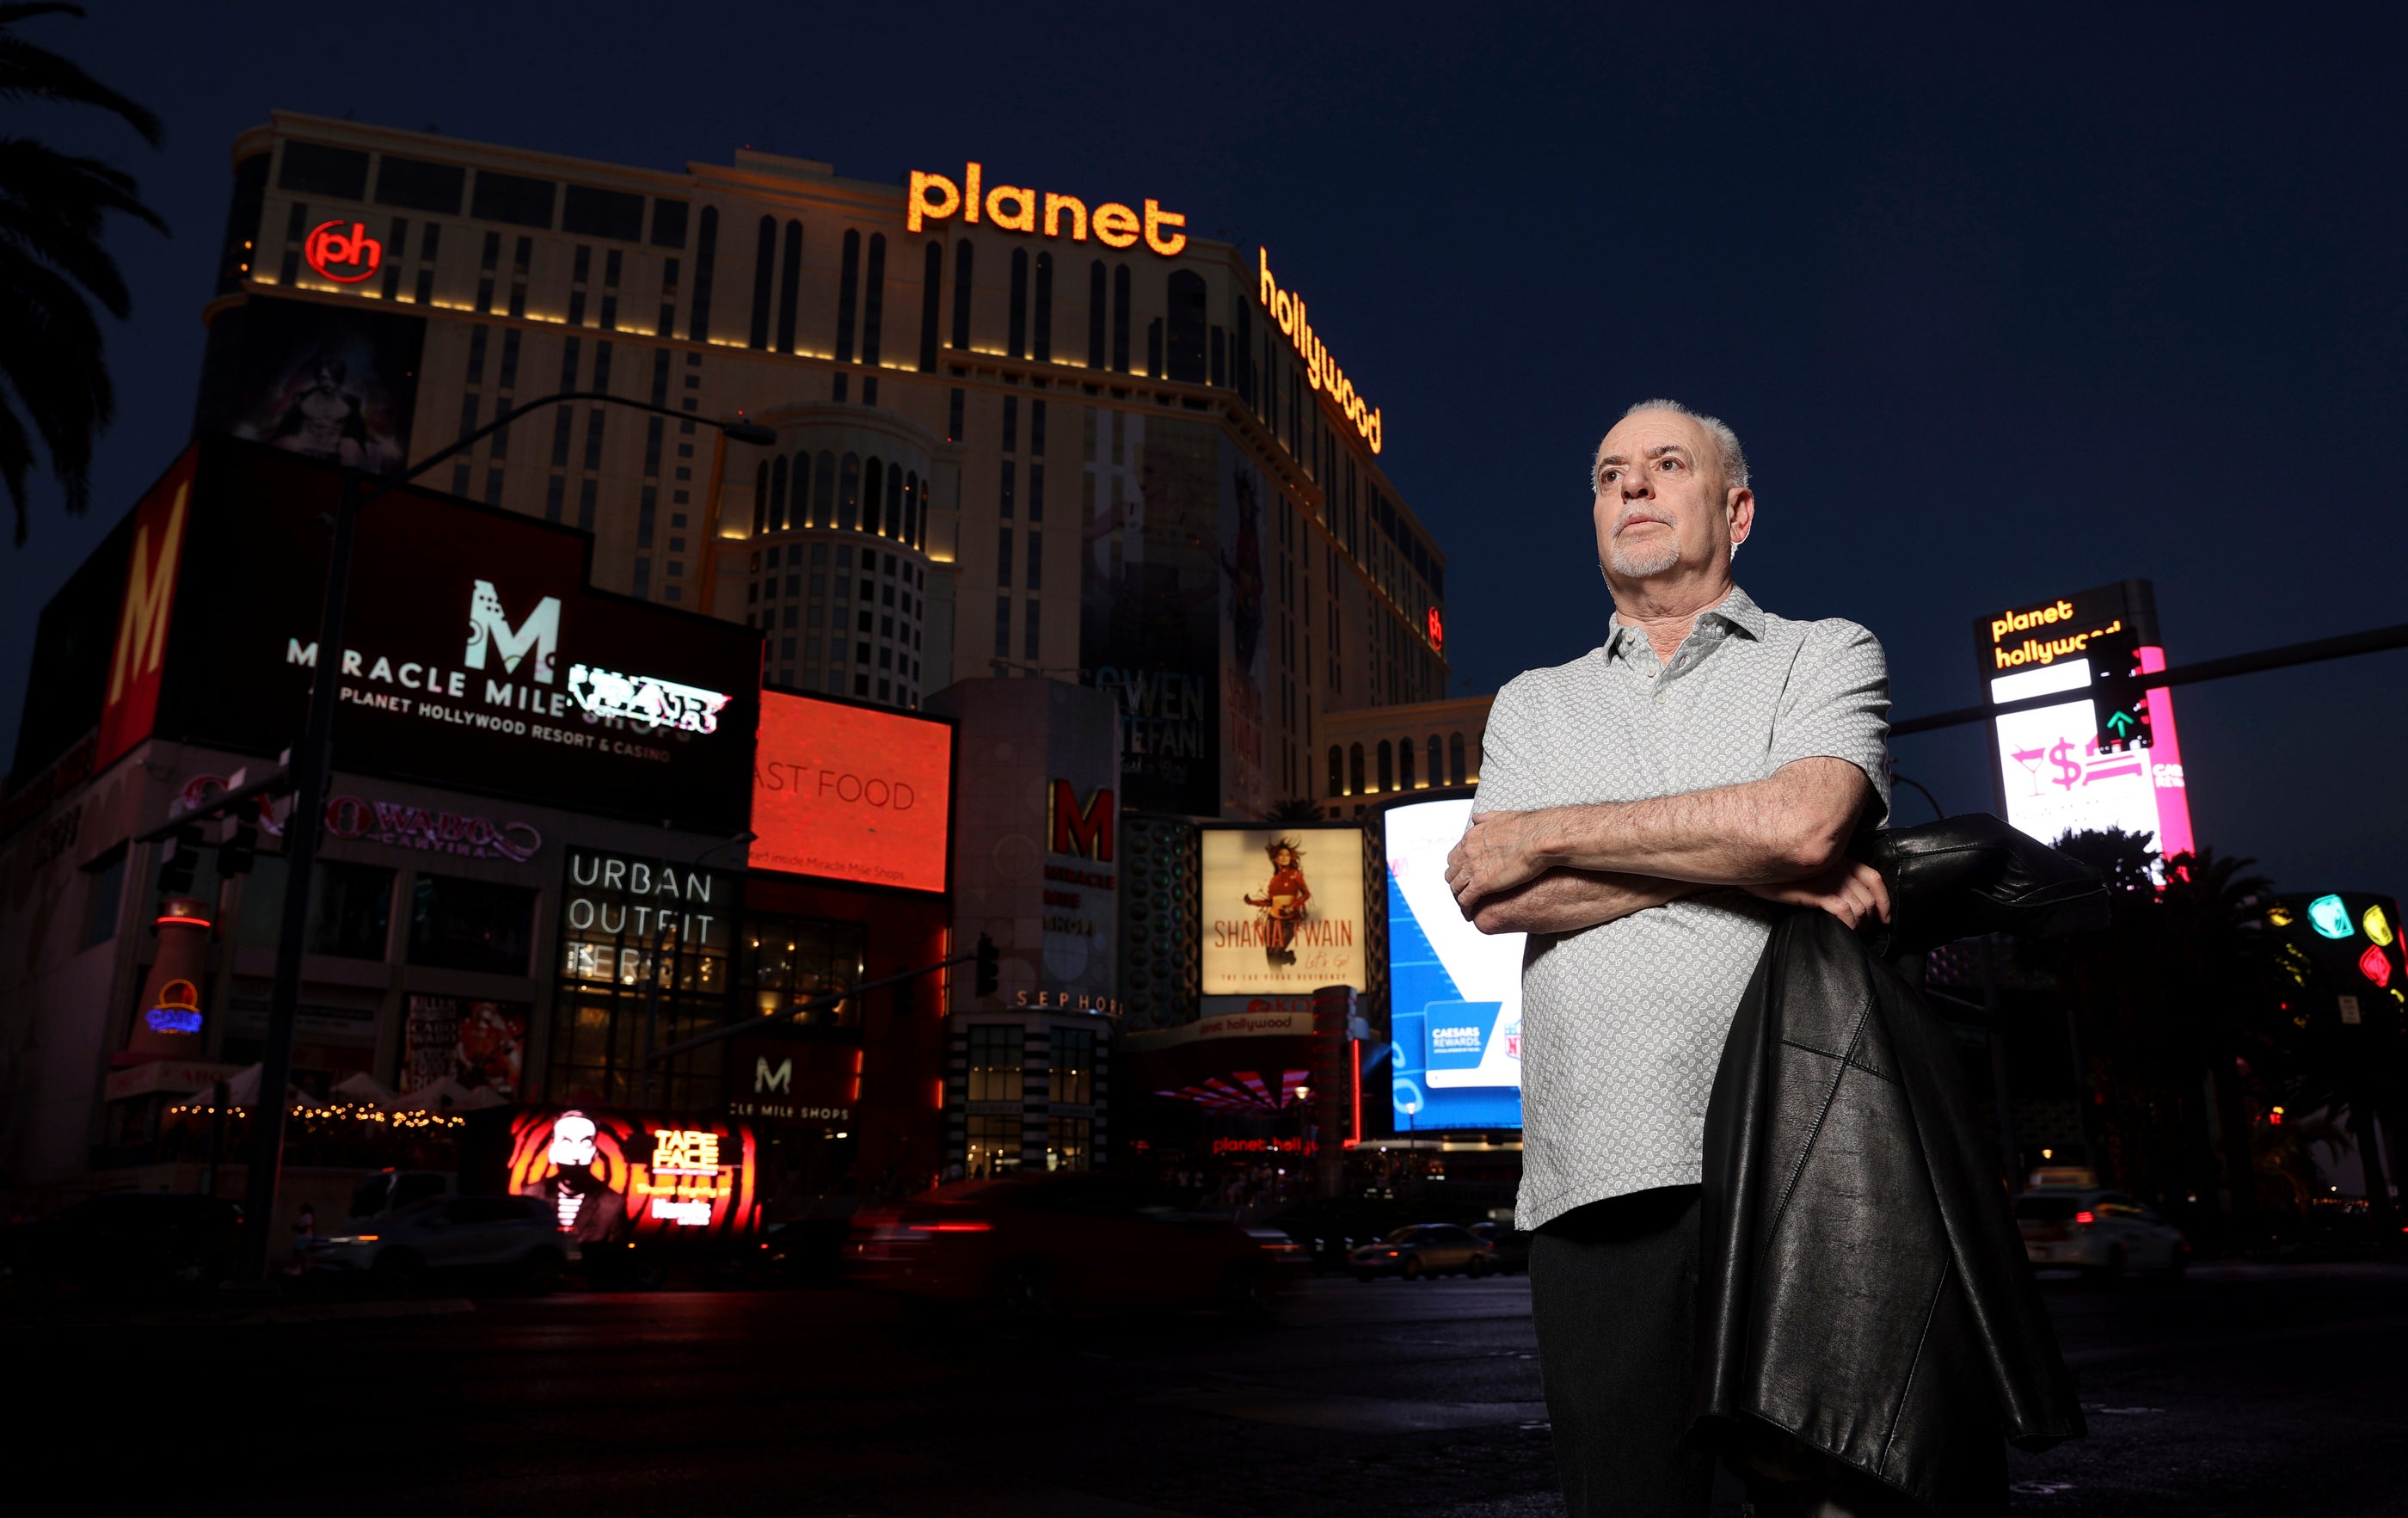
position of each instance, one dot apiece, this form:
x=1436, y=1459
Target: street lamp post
x=312, y=767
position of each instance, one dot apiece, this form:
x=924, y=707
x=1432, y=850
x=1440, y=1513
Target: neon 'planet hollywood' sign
x=1286, y=307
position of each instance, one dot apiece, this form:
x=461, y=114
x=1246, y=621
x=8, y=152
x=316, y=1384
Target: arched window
x=1354, y=770
x=790, y=279
x=1388, y=766
x=778, y=494
x=873, y=300
x=1404, y=763
x=1121, y=318
x=761, y=499
x=895, y=501
x=848, y=295
x=706, y=261
x=932, y=279
x=1188, y=325
x=1454, y=758
x=824, y=488
x=765, y=264
x=1016, y=344
x=873, y=485
x=847, y=498
x=1337, y=770
x=1095, y=314
x=800, y=500
x=1437, y=761
x=911, y=508
x=962, y=260
x=1041, y=337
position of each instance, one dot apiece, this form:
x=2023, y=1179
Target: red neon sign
x=1437, y=631
x=331, y=247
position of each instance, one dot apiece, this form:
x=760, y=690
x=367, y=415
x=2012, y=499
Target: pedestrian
x=1644, y=813
x=305, y=1237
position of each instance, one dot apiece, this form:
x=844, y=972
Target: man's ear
x=1738, y=509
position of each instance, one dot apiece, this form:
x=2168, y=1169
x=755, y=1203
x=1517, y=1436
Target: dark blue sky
x=2002, y=307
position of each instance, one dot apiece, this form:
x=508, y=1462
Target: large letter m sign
x=1073, y=829
x=766, y=1079
x=489, y=626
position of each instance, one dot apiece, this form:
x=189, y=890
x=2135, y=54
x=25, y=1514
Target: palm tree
x=1293, y=811
x=52, y=267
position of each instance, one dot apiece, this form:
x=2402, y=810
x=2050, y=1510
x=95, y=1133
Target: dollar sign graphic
x=2069, y=771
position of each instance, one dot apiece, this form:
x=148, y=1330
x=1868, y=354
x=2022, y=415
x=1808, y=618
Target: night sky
x=2002, y=309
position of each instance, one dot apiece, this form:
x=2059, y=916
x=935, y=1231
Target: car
x=1034, y=1244
x=1509, y=1250
x=2102, y=1234
x=517, y=1237
x=1422, y=1250
x=130, y=1242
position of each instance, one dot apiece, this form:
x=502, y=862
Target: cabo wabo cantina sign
x=475, y=652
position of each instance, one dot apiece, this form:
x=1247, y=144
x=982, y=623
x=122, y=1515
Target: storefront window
x=1069, y=1140
x=993, y=1146
x=789, y=961
x=463, y=924
x=995, y=1060
x=643, y=964
x=350, y=911
x=1070, y=1078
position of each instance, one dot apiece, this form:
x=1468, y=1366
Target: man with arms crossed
x=1643, y=812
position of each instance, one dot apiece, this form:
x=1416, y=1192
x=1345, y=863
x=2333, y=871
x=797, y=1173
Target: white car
x=2100, y=1233
x=517, y=1236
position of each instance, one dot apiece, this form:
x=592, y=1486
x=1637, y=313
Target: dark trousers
x=1613, y=1288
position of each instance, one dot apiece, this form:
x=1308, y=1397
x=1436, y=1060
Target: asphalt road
x=2251, y=1390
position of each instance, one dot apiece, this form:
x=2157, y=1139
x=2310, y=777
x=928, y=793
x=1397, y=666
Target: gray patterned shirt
x=1623, y=1024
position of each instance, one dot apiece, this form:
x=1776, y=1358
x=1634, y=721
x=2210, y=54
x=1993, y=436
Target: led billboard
x=2053, y=773
x=614, y=1178
x=1455, y=992
x=848, y=793
x=1282, y=909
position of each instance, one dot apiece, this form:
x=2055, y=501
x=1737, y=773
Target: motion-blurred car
x=129, y=1242
x=1033, y=1244
x=516, y=1237
x=2100, y=1233
x=1508, y=1252
x=1424, y=1250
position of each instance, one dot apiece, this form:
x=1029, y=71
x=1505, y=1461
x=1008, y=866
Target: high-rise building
x=1020, y=430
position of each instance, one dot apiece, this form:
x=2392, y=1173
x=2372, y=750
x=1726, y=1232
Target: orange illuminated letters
x=1010, y=208
x=1286, y=307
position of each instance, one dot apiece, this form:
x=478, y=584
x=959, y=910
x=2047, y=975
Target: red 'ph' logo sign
x=1437, y=630
x=346, y=257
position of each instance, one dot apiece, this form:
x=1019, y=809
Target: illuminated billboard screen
x=2054, y=774
x=1455, y=992
x=1282, y=909
x=476, y=655
x=850, y=793
x=615, y=1177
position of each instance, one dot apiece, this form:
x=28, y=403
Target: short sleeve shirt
x=1623, y=1024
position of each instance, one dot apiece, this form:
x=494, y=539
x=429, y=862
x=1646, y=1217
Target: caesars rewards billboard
x=850, y=793
x=1281, y=909
x=1455, y=992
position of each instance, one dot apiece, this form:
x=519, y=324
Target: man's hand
x=1498, y=853
x=1851, y=892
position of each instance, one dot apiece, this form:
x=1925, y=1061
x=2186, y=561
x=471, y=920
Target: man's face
x=1661, y=504
x=572, y=1141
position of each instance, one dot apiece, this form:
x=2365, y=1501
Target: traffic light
x=990, y=966
x=2118, y=704
x=180, y=856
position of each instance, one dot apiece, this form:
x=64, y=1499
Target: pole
x=2010, y=1154
x=310, y=771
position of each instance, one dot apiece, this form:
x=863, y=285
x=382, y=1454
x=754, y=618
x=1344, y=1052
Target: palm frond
x=28, y=73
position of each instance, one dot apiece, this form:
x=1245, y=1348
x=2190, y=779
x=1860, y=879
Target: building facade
x=1080, y=441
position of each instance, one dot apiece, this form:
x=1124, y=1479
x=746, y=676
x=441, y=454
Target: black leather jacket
x=1863, y=1288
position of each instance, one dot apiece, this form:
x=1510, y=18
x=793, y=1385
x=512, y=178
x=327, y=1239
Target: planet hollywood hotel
x=954, y=365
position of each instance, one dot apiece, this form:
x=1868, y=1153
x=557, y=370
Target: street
x=2250, y=1389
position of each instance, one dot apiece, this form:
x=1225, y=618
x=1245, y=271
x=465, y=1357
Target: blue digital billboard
x=1455, y=992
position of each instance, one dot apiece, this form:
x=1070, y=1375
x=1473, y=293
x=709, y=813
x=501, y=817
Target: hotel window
x=498, y=446
x=824, y=491
x=556, y=498
x=571, y=352
x=848, y=278
x=761, y=503
x=1153, y=348
x=643, y=580
x=1042, y=337
x=777, y=501
x=1121, y=318
x=1016, y=343
x=1354, y=770
x=1404, y=762
x=997, y=1054
x=467, y=416
x=1037, y=489
x=1035, y=561
x=395, y=243
x=789, y=280
x=1012, y=423
x=706, y=253
x=1003, y=626
x=1437, y=761
x=873, y=313
x=479, y=338
x=645, y=514
x=668, y=227
x=1010, y=490
x=1003, y=557
x=964, y=261
x=586, y=493
x=521, y=258
x=1037, y=428
x=932, y=278
x=1454, y=758
x=1095, y=314
x=315, y=168
x=1337, y=771
x=509, y=378
x=594, y=419
x=764, y=258
x=1031, y=632
x=660, y=377
x=873, y=484
x=1188, y=325
x=420, y=186
x=667, y=326
x=1069, y=1141
x=911, y=508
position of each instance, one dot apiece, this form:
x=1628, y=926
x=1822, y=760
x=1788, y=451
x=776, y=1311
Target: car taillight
x=2085, y=1217
x=1282, y=1246
x=963, y=1225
